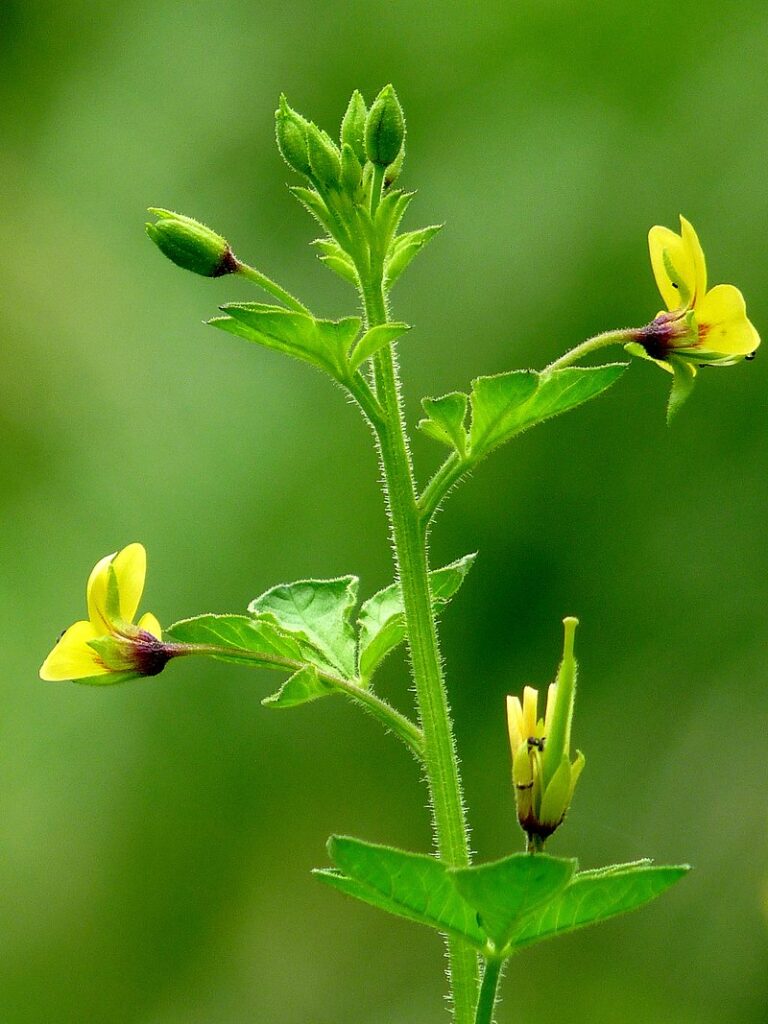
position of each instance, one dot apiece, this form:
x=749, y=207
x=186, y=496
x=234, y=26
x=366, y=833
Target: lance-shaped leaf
x=303, y=686
x=506, y=891
x=505, y=405
x=404, y=248
x=374, y=339
x=445, y=420
x=337, y=260
x=324, y=343
x=382, y=619
x=390, y=212
x=594, y=896
x=240, y=638
x=316, y=612
x=411, y=885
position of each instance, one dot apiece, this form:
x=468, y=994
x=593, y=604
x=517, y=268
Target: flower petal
x=72, y=658
x=696, y=255
x=673, y=267
x=149, y=624
x=96, y=595
x=530, y=712
x=130, y=567
x=514, y=723
x=723, y=325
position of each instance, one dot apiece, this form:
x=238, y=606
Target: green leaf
x=508, y=890
x=240, y=638
x=404, y=248
x=374, y=339
x=337, y=260
x=411, y=885
x=382, y=621
x=682, y=386
x=595, y=896
x=317, y=612
x=303, y=686
x=324, y=343
x=505, y=405
x=390, y=212
x=313, y=204
x=445, y=420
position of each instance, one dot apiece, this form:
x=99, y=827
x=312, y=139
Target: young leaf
x=303, y=686
x=595, y=896
x=381, y=619
x=318, y=612
x=389, y=214
x=507, y=890
x=240, y=638
x=337, y=260
x=509, y=403
x=314, y=204
x=325, y=343
x=404, y=248
x=411, y=885
x=445, y=420
x=374, y=339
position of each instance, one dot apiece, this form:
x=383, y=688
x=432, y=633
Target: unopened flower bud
x=353, y=125
x=191, y=245
x=384, y=128
x=351, y=170
x=324, y=158
x=291, y=131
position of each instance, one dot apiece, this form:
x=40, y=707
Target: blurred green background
x=156, y=839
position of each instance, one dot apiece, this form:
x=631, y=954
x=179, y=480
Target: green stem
x=412, y=565
x=591, y=345
x=272, y=288
x=377, y=183
x=451, y=470
x=390, y=717
x=488, y=989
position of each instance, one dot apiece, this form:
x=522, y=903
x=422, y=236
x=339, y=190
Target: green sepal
x=317, y=612
x=324, y=343
x=684, y=377
x=594, y=896
x=506, y=891
x=302, y=687
x=353, y=125
x=382, y=618
x=395, y=169
x=445, y=420
x=110, y=679
x=507, y=404
x=411, y=885
x=384, y=128
x=404, y=248
x=374, y=339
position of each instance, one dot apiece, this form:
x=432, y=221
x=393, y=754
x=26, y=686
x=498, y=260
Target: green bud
x=384, y=128
x=353, y=125
x=324, y=158
x=351, y=170
x=395, y=169
x=191, y=245
x=291, y=131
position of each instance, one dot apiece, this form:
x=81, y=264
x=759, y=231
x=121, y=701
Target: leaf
x=411, y=885
x=595, y=896
x=445, y=420
x=374, y=339
x=318, y=612
x=240, y=638
x=505, y=405
x=313, y=204
x=404, y=248
x=337, y=260
x=381, y=618
x=304, y=686
x=390, y=212
x=324, y=343
x=507, y=890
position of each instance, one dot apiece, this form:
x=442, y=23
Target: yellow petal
x=514, y=723
x=72, y=658
x=673, y=267
x=130, y=567
x=723, y=324
x=530, y=710
x=96, y=595
x=696, y=255
x=149, y=624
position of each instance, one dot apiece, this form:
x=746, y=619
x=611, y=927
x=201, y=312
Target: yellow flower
x=699, y=326
x=108, y=643
x=542, y=772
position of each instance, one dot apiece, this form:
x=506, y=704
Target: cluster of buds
x=543, y=774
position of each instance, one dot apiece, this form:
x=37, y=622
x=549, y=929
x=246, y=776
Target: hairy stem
x=487, y=999
x=412, y=566
x=591, y=345
x=270, y=286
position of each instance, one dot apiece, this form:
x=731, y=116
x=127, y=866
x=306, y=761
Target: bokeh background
x=156, y=839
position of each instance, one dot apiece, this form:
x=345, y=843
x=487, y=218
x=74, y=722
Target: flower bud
x=134, y=650
x=324, y=158
x=353, y=125
x=384, y=128
x=351, y=170
x=191, y=245
x=291, y=131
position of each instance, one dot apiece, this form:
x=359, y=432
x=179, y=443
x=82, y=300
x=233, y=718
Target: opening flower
x=699, y=327
x=108, y=643
x=542, y=772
